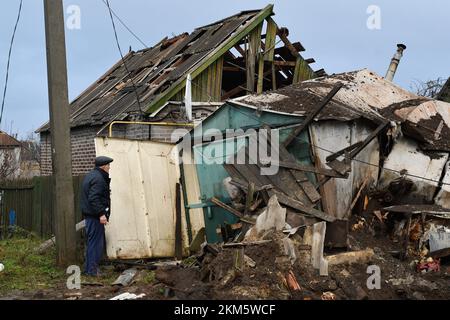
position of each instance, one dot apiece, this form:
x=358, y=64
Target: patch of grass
x=149, y=277
x=26, y=270
x=188, y=262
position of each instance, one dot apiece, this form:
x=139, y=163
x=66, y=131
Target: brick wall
x=83, y=147
x=83, y=150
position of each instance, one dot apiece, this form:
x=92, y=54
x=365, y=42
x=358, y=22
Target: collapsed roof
x=364, y=95
x=217, y=57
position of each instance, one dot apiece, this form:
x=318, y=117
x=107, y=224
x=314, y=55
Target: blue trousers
x=95, y=232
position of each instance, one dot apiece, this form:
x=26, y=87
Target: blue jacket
x=95, y=194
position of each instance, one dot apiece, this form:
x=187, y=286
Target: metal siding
x=143, y=179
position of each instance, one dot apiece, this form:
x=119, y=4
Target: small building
x=245, y=53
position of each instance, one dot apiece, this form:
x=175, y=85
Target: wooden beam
x=287, y=43
x=285, y=63
x=295, y=166
x=254, y=50
x=297, y=205
x=271, y=34
x=240, y=50
x=232, y=69
x=260, y=85
x=219, y=203
x=178, y=85
x=274, y=77
x=312, y=115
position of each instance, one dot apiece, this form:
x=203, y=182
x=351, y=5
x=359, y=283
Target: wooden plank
x=339, y=153
x=178, y=231
x=178, y=85
x=274, y=78
x=254, y=49
x=283, y=180
x=297, y=205
x=295, y=166
x=297, y=71
x=313, y=114
x=219, y=79
x=285, y=63
x=219, y=203
x=308, y=192
x=271, y=34
x=260, y=85
x=287, y=43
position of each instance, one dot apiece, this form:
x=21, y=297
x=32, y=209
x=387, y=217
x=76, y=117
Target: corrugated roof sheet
x=153, y=71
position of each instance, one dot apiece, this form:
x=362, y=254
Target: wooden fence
x=31, y=200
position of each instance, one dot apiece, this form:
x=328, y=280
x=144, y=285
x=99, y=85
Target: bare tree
x=31, y=146
x=429, y=89
x=9, y=164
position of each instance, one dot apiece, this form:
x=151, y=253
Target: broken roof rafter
x=213, y=56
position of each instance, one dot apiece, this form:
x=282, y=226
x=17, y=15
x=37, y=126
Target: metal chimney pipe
x=395, y=62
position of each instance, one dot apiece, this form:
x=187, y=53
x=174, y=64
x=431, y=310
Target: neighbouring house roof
x=6, y=141
x=159, y=73
x=444, y=94
x=364, y=95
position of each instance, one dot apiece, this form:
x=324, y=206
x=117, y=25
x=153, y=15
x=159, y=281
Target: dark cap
x=102, y=160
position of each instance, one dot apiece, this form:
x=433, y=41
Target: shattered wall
x=331, y=136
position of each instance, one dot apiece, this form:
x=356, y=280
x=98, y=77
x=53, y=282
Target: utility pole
x=63, y=198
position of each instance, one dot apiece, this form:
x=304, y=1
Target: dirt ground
x=260, y=272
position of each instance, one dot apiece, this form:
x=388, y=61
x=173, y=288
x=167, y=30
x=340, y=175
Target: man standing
x=95, y=206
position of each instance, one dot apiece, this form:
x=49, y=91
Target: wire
x=121, y=55
x=126, y=27
x=9, y=60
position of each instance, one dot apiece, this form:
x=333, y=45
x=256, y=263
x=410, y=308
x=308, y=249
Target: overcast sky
x=334, y=33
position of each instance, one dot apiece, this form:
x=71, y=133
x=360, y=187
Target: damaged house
x=242, y=54
x=356, y=154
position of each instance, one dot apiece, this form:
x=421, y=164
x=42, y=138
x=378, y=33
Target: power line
x=9, y=60
x=124, y=24
x=121, y=55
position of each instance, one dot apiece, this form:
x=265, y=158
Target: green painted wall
x=209, y=163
